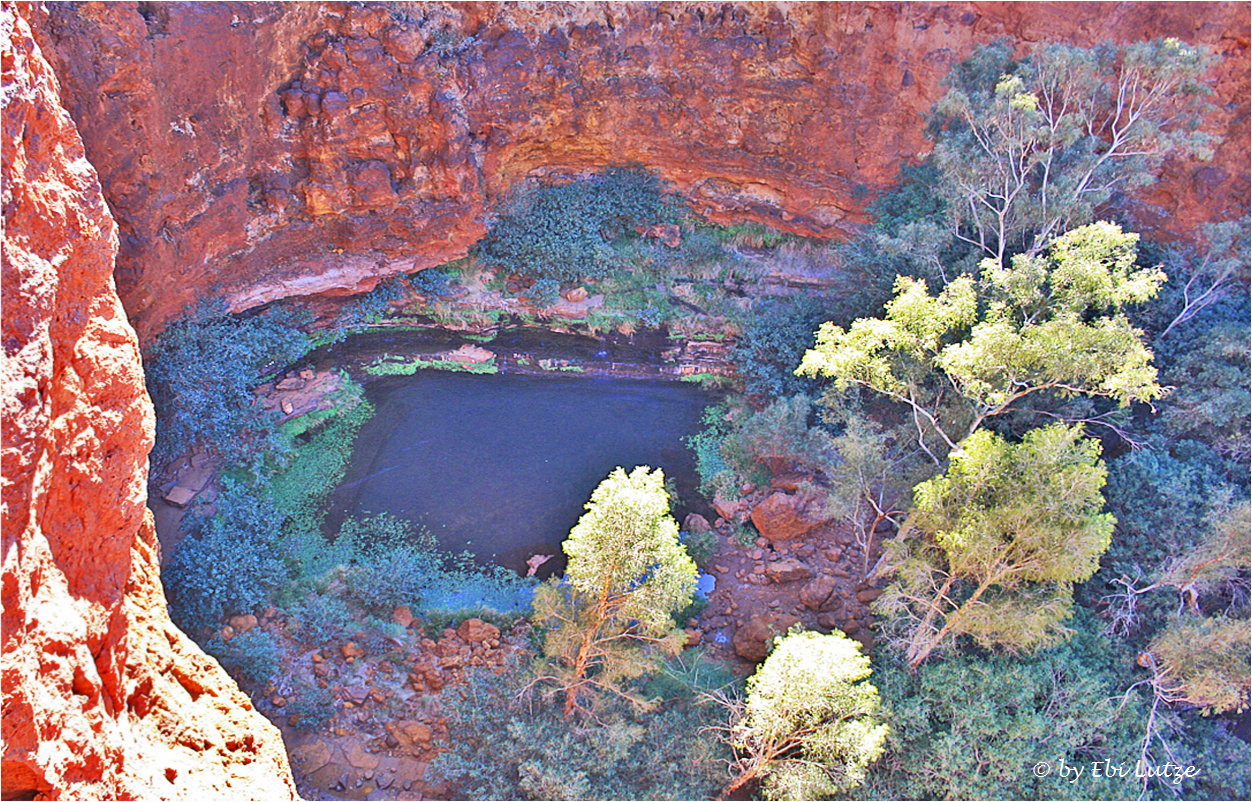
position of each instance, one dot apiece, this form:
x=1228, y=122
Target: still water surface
x=501, y=465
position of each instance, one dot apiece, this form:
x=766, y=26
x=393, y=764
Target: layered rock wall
x=103, y=697
x=261, y=150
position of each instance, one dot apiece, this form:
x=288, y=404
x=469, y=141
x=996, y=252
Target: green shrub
x=252, y=657
x=313, y=705
x=544, y=292
x=716, y=475
x=565, y=230
x=201, y=373
x=227, y=564
x=322, y=619
x=700, y=545
x=506, y=748
x=972, y=727
x=431, y=282
x=773, y=343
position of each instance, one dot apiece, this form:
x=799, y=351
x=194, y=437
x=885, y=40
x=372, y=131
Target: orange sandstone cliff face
x=263, y=150
x=103, y=697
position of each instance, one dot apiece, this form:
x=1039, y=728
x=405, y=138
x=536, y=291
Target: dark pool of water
x=501, y=465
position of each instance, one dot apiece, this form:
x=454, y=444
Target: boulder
x=402, y=616
x=726, y=508
x=788, y=570
x=469, y=354
x=868, y=595
x=783, y=516
x=409, y=734
x=475, y=630
x=243, y=623
x=754, y=640
x=694, y=522
x=819, y=594
x=575, y=295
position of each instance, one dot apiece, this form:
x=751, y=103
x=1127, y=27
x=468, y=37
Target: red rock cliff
x=103, y=697
x=262, y=150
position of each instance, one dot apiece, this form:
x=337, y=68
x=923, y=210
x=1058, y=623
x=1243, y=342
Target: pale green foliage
x=1047, y=323
x=1027, y=150
x=1204, y=277
x=1202, y=662
x=872, y=477
x=611, y=617
x=810, y=727
x=1217, y=561
x=999, y=540
x=626, y=547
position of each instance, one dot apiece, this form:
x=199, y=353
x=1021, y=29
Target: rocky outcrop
x=275, y=149
x=103, y=697
x=783, y=516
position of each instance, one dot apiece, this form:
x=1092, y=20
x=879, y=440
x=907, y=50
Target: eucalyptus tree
x=1053, y=322
x=1029, y=149
x=810, y=726
x=991, y=549
x=611, y=618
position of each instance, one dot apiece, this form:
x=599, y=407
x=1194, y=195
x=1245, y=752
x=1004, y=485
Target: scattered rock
x=819, y=594
x=787, y=482
x=356, y=693
x=754, y=639
x=694, y=522
x=470, y=354
x=828, y=621
x=788, y=570
x=243, y=623
x=725, y=507
x=868, y=595
x=291, y=383
x=359, y=757
x=783, y=516
x=351, y=651
x=402, y=616
x=180, y=496
x=227, y=632
x=475, y=630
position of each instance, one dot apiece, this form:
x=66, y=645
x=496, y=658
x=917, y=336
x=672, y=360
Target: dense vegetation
x=1048, y=413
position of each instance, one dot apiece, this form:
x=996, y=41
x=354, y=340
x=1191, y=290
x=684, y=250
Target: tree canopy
x=1053, y=322
x=810, y=726
x=997, y=542
x=1029, y=149
x=611, y=617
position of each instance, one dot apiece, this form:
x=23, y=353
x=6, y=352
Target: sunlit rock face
x=103, y=697
x=265, y=150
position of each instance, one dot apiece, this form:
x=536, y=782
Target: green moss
x=407, y=366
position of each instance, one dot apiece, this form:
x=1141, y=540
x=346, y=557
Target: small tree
x=810, y=725
x=611, y=617
x=1051, y=323
x=1029, y=149
x=999, y=541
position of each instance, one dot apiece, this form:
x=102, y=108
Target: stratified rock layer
x=103, y=697
x=267, y=150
